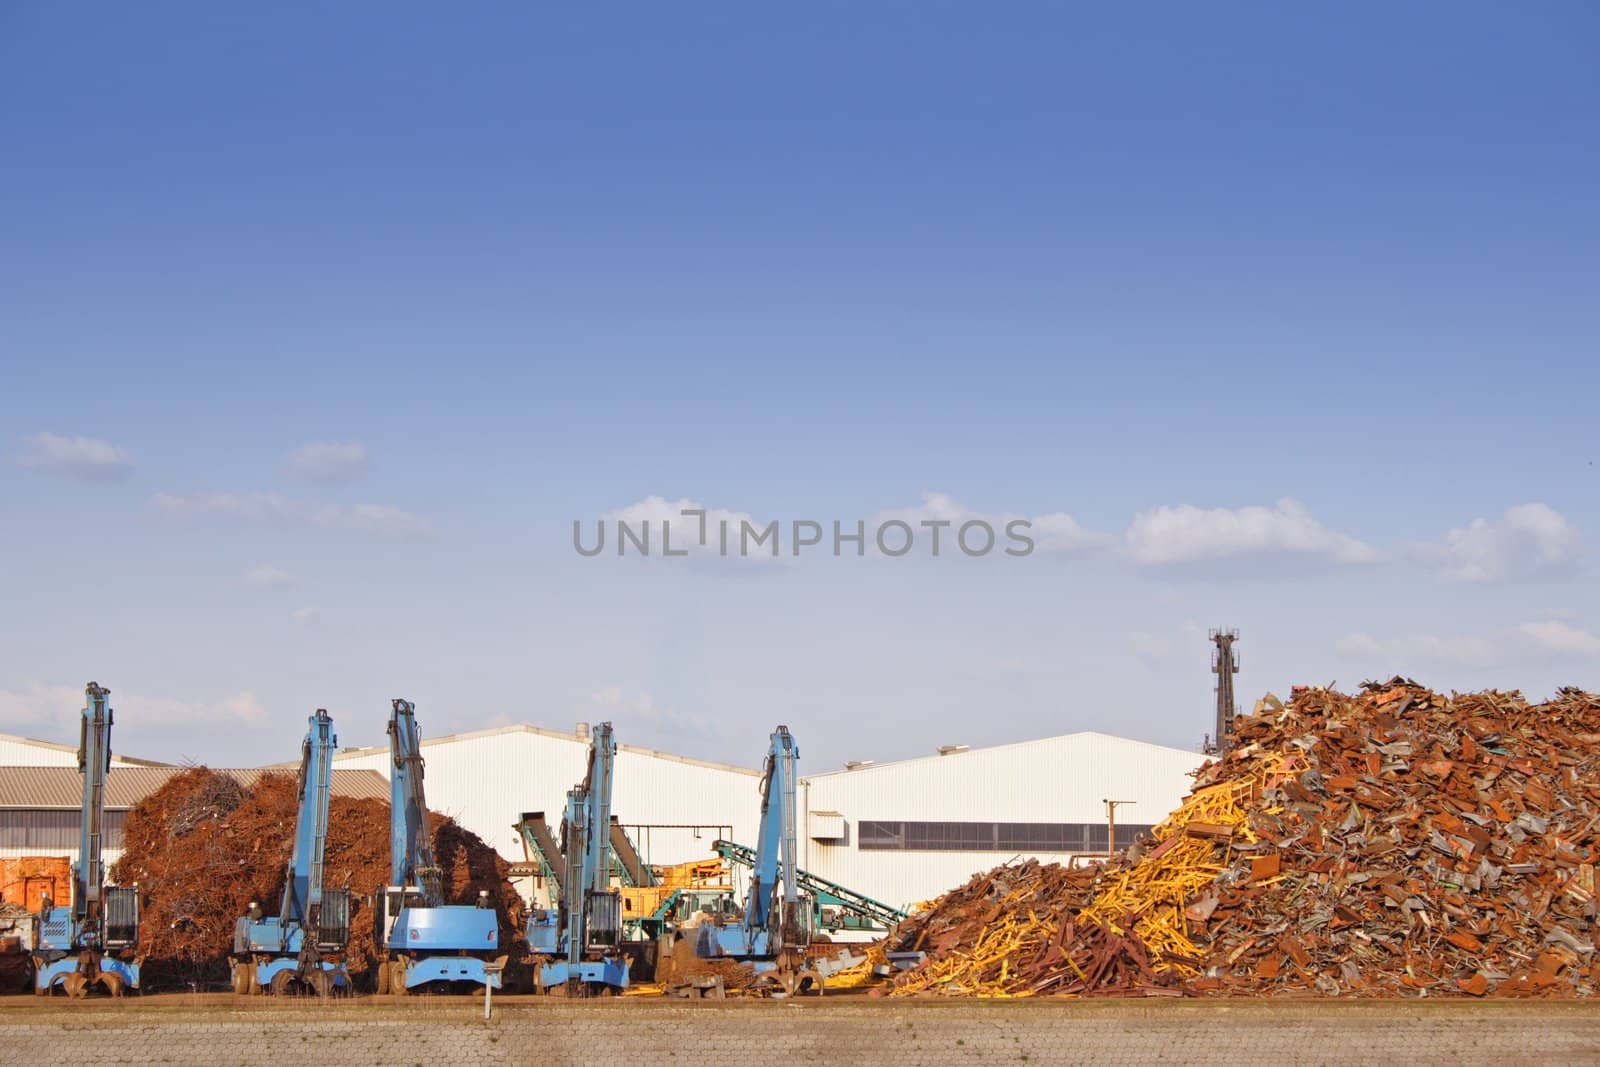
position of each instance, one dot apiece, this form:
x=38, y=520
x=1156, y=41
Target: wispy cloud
x=1550, y=639
x=88, y=459
x=1185, y=534
x=305, y=616
x=934, y=526
x=54, y=708
x=266, y=576
x=657, y=518
x=1055, y=532
x=323, y=461
x=1527, y=542
x=271, y=509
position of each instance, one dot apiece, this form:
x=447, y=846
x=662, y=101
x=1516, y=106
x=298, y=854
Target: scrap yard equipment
x=775, y=931
x=426, y=939
x=302, y=947
x=833, y=906
x=93, y=939
x=577, y=946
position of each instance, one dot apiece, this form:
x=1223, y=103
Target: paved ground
x=223, y=1031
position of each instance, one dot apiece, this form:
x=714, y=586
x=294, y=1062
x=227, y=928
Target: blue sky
x=1157, y=271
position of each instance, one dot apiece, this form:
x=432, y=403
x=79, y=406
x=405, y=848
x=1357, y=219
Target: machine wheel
x=241, y=979
x=383, y=978
x=280, y=983
x=397, y=978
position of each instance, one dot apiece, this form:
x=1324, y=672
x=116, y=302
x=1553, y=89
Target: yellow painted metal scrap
x=1147, y=896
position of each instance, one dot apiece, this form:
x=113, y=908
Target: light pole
x=1111, y=824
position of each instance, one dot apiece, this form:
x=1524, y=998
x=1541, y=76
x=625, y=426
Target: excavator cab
x=391, y=902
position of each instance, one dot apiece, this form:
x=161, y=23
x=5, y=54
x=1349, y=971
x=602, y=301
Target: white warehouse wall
x=486, y=780
x=26, y=752
x=1054, y=780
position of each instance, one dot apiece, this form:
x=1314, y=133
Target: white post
x=490, y=972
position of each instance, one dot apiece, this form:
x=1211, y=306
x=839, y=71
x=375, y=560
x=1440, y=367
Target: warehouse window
x=875, y=835
x=35, y=829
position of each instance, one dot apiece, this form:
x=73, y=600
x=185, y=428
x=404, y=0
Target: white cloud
x=323, y=461
x=305, y=616
x=1561, y=639
x=749, y=538
x=1056, y=532
x=271, y=509
x=1528, y=642
x=654, y=514
x=267, y=577
x=55, y=709
x=1188, y=534
x=86, y=458
x=641, y=709
x=33, y=703
x=1528, y=541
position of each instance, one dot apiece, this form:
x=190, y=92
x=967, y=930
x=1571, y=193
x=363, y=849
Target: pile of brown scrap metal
x=1392, y=842
x=202, y=847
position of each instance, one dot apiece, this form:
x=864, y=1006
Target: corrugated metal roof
x=62, y=787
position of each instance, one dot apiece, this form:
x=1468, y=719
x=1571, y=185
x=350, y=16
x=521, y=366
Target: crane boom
x=425, y=941
x=94, y=761
x=585, y=930
x=304, y=943
x=302, y=890
x=72, y=943
x=776, y=928
x=411, y=859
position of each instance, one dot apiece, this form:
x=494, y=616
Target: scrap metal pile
x=202, y=847
x=1393, y=842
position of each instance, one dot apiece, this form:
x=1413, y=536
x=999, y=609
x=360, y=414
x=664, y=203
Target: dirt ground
x=223, y=1029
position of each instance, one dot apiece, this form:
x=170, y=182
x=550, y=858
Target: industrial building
x=907, y=831
x=673, y=807
x=27, y=752
x=899, y=832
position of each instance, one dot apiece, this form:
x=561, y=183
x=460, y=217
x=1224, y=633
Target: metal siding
x=26, y=752
x=52, y=832
x=486, y=781
x=1059, y=779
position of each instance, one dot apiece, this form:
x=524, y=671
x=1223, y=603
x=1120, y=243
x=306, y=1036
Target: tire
x=397, y=978
x=242, y=979
x=383, y=978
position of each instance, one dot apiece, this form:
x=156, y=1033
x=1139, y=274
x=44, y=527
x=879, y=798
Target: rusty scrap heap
x=202, y=847
x=1392, y=842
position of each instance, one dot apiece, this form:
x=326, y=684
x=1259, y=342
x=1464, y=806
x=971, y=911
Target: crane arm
x=776, y=849
x=411, y=859
x=302, y=891
x=94, y=760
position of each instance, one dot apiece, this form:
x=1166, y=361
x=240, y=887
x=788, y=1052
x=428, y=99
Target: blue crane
x=91, y=940
x=578, y=945
x=302, y=947
x=426, y=939
x=776, y=927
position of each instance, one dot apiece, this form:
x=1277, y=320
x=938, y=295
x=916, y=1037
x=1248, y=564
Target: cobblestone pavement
x=225, y=1032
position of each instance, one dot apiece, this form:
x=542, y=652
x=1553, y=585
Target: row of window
x=882, y=835
x=22, y=828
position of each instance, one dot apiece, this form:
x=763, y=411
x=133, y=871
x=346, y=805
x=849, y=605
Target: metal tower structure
x=1224, y=664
